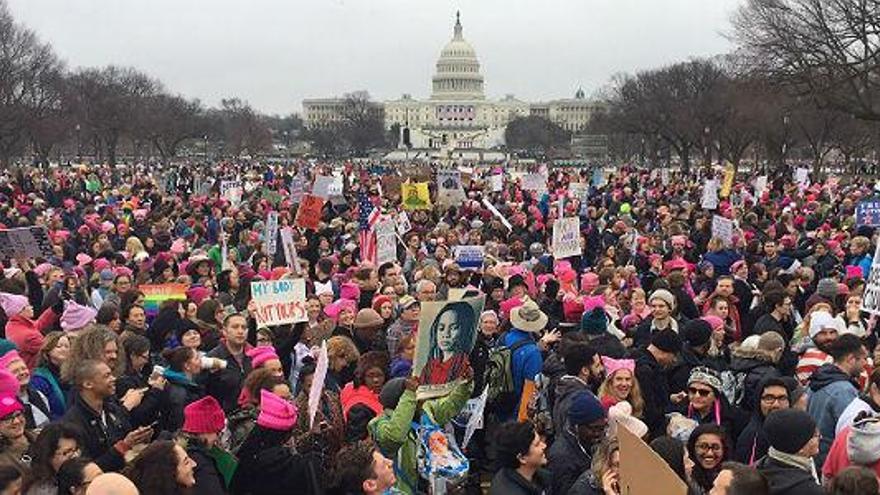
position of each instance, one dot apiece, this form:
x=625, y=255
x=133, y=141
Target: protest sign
x=802, y=178
x=643, y=471
x=403, y=223
x=566, y=237
x=297, y=189
x=156, y=294
x=318, y=381
x=871, y=296
x=386, y=241
x=322, y=185
x=290, y=255
x=534, y=182
x=469, y=257
x=449, y=190
x=25, y=242
x=279, y=302
x=709, y=200
x=415, y=196
x=270, y=233
x=868, y=212
x=231, y=191
x=598, y=179
x=308, y=215
x=498, y=214
x=471, y=416
x=496, y=182
x=664, y=176
x=723, y=229
x=446, y=336
x=760, y=186
x=727, y=183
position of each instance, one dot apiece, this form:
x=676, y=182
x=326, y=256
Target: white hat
x=620, y=414
x=821, y=320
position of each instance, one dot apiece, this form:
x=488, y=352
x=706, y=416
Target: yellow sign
x=727, y=185
x=415, y=195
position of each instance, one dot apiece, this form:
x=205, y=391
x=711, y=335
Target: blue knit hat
x=594, y=322
x=585, y=409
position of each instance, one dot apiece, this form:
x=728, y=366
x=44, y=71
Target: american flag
x=368, y=216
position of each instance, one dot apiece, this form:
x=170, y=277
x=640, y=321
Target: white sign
x=322, y=186
x=289, y=247
x=871, y=296
x=802, y=177
x=231, y=191
x=297, y=189
x=760, y=186
x=469, y=257
x=723, y=229
x=270, y=234
x=710, y=194
x=449, y=190
x=566, y=237
x=664, y=176
x=318, y=383
x=279, y=302
x=386, y=241
x=497, y=182
x=474, y=409
x=403, y=223
x=534, y=182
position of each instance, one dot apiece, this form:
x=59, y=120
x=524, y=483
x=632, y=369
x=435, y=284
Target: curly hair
x=370, y=360
x=355, y=465
x=89, y=345
x=49, y=345
x=340, y=346
x=42, y=451
x=154, y=470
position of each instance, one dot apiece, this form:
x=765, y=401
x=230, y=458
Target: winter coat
x=49, y=384
x=655, y=391
x=721, y=260
x=587, y=484
x=831, y=390
x=393, y=433
x=275, y=471
x=751, y=368
x=525, y=363
x=209, y=480
x=179, y=392
x=27, y=334
x=752, y=443
x=508, y=481
x=860, y=404
x=151, y=405
x=787, y=480
x=225, y=385
x=99, y=439
x=567, y=458
x=856, y=445
x=565, y=389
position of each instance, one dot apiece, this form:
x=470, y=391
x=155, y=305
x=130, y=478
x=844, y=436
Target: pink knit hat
x=275, y=412
x=9, y=405
x=42, y=269
x=259, y=355
x=76, y=316
x=12, y=304
x=853, y=271
x=589, y=281
x=333, y=310
x=9, y=358
x=203, y=416
x=350, y=291
x=714, y=322
x=614, y=365
x=198, y=294
x=100, y=264
x=9, y=384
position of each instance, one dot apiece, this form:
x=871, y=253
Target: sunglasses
x=702, y=392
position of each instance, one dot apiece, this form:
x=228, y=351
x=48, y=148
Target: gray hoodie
x=863, y=444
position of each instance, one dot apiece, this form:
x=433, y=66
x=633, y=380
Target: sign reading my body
x=281, y=311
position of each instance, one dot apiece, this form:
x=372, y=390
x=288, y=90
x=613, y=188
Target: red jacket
x=27, y=334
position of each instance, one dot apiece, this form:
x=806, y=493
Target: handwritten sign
x=290, y=255
x=566, y=237
x=322, y=186
x=279, y=302
x=231, y=191
x=386, y=241
x=308, y=216
x=709, y=200
x=723, y=229
x=871, y=296
x=318, y=383
x=271, y=233
x=534, y=182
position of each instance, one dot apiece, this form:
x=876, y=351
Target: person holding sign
x=451, y=341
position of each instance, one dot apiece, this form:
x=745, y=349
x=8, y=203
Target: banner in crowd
x=598, y=179
x=279, y=302
x=469, y=257
x=446, y=336
x=802, y=177
x=270, y=234
x=322, y=186
x=534, y=182
x=709, y=200
x=386, y=241
x=231, y=191
x=449, y=189
x=415, y=195
x=25, y=242
x=868, y=212
x=318, y=381
x=727, y=183
x=871, y=296
x=723, y=228
x=156, y=294
x=642, y=470
x=760, y=186
x=308, y=215
x=567, y=237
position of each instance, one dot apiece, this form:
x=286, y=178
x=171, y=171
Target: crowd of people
x=743, y=358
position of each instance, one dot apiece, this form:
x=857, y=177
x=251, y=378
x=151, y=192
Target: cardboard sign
x=723, y=229
x=534, y=182
x=322, y=186
x=308, y=216
x=871, y=296
x=25, y=242
x=403, y=223
x=868, y=212
x=290, y=254
x=469, y=257
x=449, y=190
x=279, y=302
x=709, y=200
x=270, y=233
x=567, y=237
x=447, y=333
x=156, y=294
x=318, y=383
x=643, y=471
x=386, y=241
x=416, y=196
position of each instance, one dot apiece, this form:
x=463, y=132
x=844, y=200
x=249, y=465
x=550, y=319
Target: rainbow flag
x=155, y=295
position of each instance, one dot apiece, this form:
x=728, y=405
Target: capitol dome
x=458, y=70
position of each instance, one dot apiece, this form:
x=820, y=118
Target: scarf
x=796, y=461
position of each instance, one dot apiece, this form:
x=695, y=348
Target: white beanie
x=820, y=320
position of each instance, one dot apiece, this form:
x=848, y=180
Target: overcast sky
x=274, y=53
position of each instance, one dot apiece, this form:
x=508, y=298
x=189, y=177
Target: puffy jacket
x=831, y=391
x=277, y=470
x=787, y=480
x=655, y=391
x=100, y=438
x=225, y=385
x=525, y=363
x=752, y=367
x=721, y=260
x=393, y=433
x=509, y=482
x=27, y=334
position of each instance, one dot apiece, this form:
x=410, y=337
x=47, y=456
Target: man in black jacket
x=107, y=430
x=651, y=365
x=225, y=384
x=572, y=452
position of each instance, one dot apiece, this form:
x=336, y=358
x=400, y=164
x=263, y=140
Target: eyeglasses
x=771, y=399
x=707, y=447
x=702, y=392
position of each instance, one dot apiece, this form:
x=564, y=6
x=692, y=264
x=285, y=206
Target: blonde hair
x=635, y=394
x=133, y=246
x=340, y=346
x=602, y=459
x=715, y=244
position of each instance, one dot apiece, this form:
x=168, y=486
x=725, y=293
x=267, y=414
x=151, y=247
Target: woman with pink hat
x=620, y=385
x=25, y=332
x=15, y=438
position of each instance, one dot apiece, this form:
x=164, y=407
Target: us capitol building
x=457, y=117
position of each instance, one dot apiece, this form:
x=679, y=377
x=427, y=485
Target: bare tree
x=827, y=49
x=363, y=125
x=168, y=121
x=244, y=130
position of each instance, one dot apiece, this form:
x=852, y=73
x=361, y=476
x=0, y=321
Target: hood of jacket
x=783, y=478
x=863, y=443
x=567, y=385
x=826, y=375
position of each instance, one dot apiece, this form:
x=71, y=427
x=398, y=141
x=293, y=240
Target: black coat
x=567, y=460
x=225, y=385
x=787, y=480
x=148, y=410
x=175, y=397
x=509, y=482
x=99, y=438
x=655, y=391
x=752, y=443
x=209, y=481
x=753, y=367
x=276, y=470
